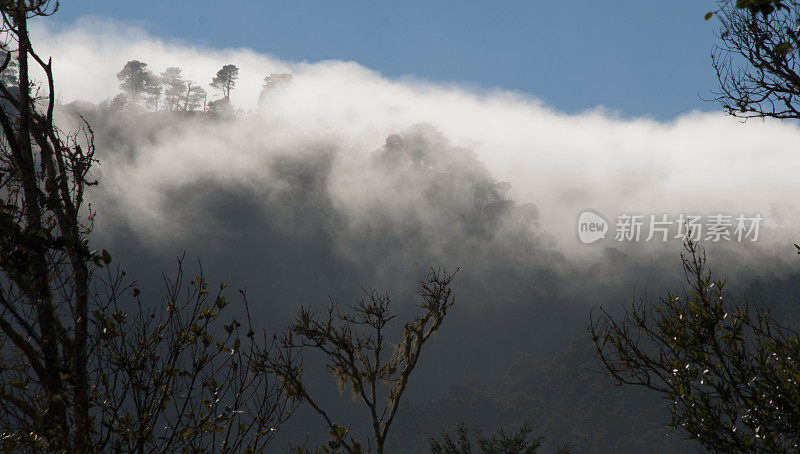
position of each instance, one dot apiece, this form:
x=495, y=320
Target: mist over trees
x=171, y=356
x=419, y=199
x=169, y=91
x=274, y=83
x=137, y=81
x=175, y=88
x=168, y=375
x=416, y=199
x=224, y=81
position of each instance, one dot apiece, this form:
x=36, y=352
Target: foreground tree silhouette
x=757, y=58
x=84, y=365
x=355, y=346
x=730, y=371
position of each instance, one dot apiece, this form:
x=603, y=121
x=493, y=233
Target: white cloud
x=699, y=162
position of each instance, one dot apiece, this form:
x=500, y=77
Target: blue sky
x=635, y=57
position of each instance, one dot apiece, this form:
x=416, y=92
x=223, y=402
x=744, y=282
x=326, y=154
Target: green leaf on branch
x=783, y=49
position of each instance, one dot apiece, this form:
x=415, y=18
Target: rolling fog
x=348, y=179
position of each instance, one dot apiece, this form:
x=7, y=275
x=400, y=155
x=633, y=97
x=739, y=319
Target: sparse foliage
x=358, y=354
x=195, y=97
x=756, y=60
x=181, y=375
x=84, y=365
x=174, y=88
x=338, y=444
x=730, y=371
x=499, y=442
